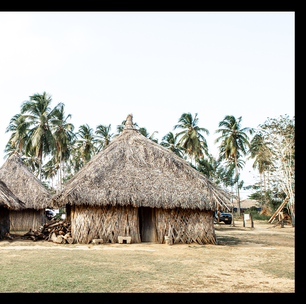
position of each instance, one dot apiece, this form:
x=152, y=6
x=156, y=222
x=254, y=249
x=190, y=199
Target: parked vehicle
x=223, y=217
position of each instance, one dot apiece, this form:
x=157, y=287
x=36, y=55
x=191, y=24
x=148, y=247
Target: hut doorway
x=147, y=224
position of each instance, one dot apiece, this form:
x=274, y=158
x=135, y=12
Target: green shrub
x=256, y=215
x=59, y=214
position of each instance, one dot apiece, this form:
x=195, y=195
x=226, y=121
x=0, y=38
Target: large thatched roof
x=8, y=199
x=23, y=183
x=133, y=170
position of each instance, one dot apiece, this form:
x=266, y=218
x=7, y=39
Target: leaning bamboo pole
x=279, y=209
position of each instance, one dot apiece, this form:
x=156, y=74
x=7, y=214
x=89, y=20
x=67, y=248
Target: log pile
x=57, y=231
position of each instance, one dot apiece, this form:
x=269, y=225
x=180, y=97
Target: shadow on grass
x=228, y=240
x=230, y=228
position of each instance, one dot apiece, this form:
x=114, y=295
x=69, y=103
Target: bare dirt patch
x=246, y=260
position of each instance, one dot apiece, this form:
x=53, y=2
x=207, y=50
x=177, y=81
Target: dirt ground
x=260, y=259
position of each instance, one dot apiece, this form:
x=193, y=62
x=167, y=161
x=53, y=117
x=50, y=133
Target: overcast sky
x=155, y=65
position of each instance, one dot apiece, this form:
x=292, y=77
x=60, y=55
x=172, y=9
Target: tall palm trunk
x=236, y=171
x=60, y=168
x=40, y=161
x=265, y=192
x=233, y=222
x=261, y=189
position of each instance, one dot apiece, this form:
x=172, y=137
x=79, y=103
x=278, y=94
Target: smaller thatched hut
x=8, y=201
x=28, y=188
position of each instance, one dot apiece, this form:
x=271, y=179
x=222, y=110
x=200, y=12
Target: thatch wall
x=4, y=222
x=8, y=201
x=108, y=222
x=185, y=226
x=27, y=219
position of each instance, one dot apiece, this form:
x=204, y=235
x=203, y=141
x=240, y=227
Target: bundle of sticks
x=57, y=231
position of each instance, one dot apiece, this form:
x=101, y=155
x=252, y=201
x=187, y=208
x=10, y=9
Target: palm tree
x=210, y=167
x=19, y=137
x=86, y=142
x=261, y=151
x=63, y=135
x=40, y=136
x=30, y=160
x=233, y=141
x=121, y=127
x=192, y=140
x=229, y=180
x=75, y=160
x=50, y=169
x=145, y=133
x=103, y=136
x=170, y=141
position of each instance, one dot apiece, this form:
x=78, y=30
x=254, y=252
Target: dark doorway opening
x=147, y=224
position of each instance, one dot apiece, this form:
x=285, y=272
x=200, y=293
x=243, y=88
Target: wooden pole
x=233, y=222
x=278, y=209
x=252, y=223
x=281, y=219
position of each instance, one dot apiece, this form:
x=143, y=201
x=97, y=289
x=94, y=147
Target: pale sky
x=155, y=65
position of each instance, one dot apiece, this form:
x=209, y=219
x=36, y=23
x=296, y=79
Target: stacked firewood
x=57, y=231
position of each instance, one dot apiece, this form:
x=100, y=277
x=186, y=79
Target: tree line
x=47, y=142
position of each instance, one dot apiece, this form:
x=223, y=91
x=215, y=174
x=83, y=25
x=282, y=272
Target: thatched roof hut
x=133, y=173
x=8, y=201
x=28, y=188
x=247, y=204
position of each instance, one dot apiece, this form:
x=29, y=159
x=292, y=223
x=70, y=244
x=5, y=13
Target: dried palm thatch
x=105, y=223
x=28, y=188
x=135, y=171
x=23, y=183
x=7, y=201
x=185, y=226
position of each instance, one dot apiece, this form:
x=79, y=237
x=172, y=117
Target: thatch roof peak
x=129, y=123
x=23, y=183
x=8, y=199
x=134, y=170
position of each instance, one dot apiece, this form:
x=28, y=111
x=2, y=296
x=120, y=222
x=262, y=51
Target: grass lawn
x=246, y=260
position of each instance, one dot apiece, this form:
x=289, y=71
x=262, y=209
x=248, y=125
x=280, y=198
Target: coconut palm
x=192, y=140
x=31, y=161
x=76, y=161
x=210, y=167
x=262, y=153
x=145, y=133
x=103, y=136
x=234, y=141
x=121, y=127
x=229, y=179
x=170, y=141
x=63, y=135
x=19, y=137
x=86, y=142
x=50, y=169
x=38, y=113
